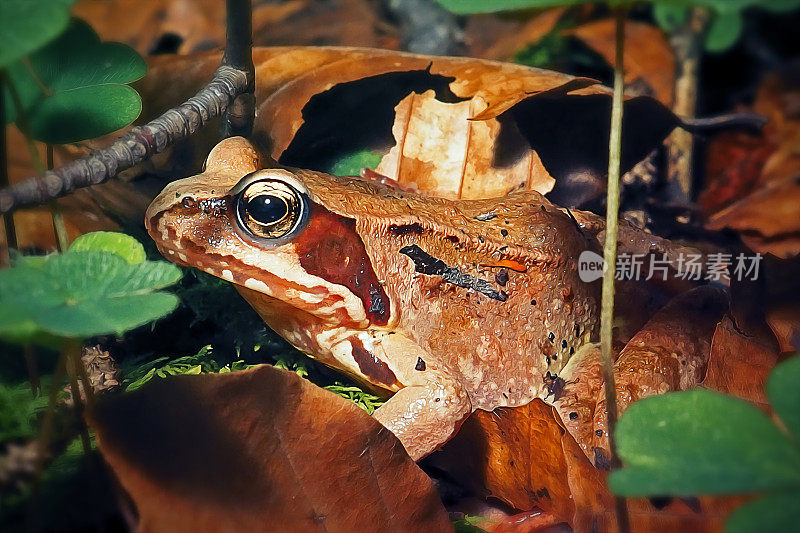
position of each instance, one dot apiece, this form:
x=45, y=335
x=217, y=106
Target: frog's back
x=489, y=287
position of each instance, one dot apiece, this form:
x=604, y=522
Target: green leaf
x=783, y=390
x=720, y=6
x=670, y=17
x=468, y=7
x=724, y=31
x=76, y=86
x=776, y=513
x=84, y=113
x=106, y=316
x=779, y=6
x=701, y=442
x=351, y=164
x=25, y=25
x=123, y=245
x=85, y=293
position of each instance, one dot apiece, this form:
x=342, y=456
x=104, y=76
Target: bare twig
x=687, y=45
x=137, y=145
x=240, y=116
x=610, y=253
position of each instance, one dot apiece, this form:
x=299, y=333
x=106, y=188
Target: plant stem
x=84, y=378
x=59, y=227
x=24, y=127
x=43, y=439
x=687, y=44
x=33, y=369
x=240, y=115
x=610, y=252
x=8, y=218
x=74, y=364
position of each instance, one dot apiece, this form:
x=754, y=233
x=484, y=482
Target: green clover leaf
x=100, y=286
x=76, y=88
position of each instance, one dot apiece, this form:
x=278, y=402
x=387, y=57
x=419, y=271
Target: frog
x=445, y=306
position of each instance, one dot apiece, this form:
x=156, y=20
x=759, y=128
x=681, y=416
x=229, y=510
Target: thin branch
x=240, y=115
x=610, y=253
x=139, y=144
x=687, y=45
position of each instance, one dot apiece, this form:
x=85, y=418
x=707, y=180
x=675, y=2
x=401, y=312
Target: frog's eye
x=269, y=209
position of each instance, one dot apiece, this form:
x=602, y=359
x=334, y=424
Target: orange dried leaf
x=440, y=151
x=739, y=363
x=648, y=56
x=524, y=457
x=260, y=450
x=767, y=218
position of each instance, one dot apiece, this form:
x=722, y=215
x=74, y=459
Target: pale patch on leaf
x=441, y=151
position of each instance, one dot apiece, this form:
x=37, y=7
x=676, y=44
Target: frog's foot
x=425, y=416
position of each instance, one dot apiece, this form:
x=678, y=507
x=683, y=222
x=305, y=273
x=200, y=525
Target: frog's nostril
x=188, y=202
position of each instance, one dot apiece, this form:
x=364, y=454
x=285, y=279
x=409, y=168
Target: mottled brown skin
x=342, y=291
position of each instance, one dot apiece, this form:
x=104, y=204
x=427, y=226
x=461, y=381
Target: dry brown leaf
x=516, y=36
x=343, y=100
x=734, y=162
x=648, y=56
x=524, y=457
x=189, y=26
x=767, y=217
x=260, y=450
x=784, y=321
x=440, y=149
x=739, y=364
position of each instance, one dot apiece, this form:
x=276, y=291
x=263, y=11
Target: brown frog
x=450, y=305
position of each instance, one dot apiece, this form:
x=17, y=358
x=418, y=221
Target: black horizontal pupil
x=267, y=209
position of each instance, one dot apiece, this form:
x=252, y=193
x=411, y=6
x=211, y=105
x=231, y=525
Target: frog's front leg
x=425, y=416
x=432, y=405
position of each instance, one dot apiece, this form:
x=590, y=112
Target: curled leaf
x=260, y=450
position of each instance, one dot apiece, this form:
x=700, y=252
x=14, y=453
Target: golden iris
x=269, y=208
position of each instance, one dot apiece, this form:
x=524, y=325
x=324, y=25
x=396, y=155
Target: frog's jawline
x=425, y=263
